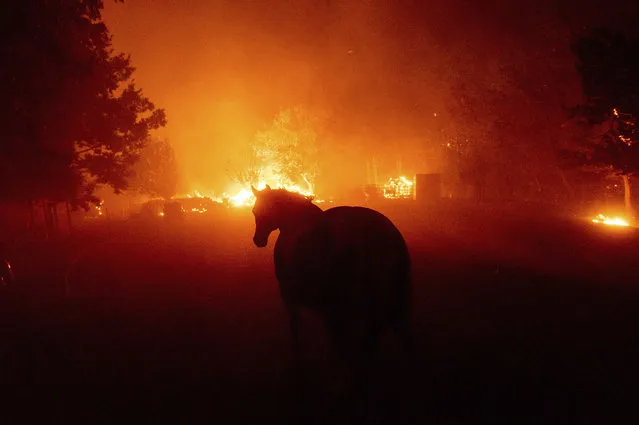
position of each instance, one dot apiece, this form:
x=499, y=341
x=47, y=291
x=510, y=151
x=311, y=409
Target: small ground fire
x=610, y=221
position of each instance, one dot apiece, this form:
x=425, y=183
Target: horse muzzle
x=260, y=242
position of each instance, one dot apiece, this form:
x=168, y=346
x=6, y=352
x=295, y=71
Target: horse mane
x=290, y=197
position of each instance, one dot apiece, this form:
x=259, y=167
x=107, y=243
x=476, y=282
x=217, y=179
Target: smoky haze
x=388, y=74
x=513, y=297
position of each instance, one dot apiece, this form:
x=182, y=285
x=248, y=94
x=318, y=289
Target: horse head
x=276, y=207
x=265, y=213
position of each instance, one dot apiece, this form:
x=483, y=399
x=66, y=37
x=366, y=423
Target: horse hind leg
x=362, y=365
x=401, y=318
x=294, y=323
x=339, y=354
x=369, y=348
x=355, y=343
x=370, y=335
x=403, y=328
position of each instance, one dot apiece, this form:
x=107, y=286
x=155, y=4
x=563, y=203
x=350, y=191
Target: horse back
x=366, y=230
x=368, y=258
x=354, y=258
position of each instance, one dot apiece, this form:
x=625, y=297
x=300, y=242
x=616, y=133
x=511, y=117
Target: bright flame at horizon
x=244, y=197
x=610, y=221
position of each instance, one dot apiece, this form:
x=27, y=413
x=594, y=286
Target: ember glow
x=399, y=188
x=610, y=221
x=244, y=197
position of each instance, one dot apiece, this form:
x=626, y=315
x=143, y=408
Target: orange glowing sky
x=223, y=68
x=200, y=73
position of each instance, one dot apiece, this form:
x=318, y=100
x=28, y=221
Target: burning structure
x=399, y=188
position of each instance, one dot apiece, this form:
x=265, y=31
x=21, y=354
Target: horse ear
x=255, y=191
x=268, y=187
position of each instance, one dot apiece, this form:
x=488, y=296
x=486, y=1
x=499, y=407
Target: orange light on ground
x=610, y=221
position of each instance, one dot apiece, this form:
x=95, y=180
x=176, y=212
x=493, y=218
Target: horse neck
x=298, y=218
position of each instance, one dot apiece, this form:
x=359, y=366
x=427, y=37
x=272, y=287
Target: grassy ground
x=521, y=318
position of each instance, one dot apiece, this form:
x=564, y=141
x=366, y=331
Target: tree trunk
x=31, y=219
x=56, y=222
x=46, y=215
x=537, y=183
x=627, y=197
x=375, y=182
x=565, y=182
x=69, y=223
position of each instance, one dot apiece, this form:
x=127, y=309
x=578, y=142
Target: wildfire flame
x=398, y=188
x=241, y=198
x=610, y=221
x=269, y=172
x=244, y=197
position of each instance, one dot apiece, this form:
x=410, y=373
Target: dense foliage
x=72, y=117
x=608, y=66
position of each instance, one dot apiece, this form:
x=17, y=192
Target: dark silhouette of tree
x=470, y=142
x=72, y=117
x=504, y=118
x=156, y=173
x=607, y=63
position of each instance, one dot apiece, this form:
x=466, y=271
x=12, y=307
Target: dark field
x=521, y=319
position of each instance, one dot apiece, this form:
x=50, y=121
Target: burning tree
x=72, y=116
x=288, y=150
x=247, y=176
x=285, y=154
x=607, y=64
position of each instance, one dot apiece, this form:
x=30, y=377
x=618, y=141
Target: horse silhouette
x=348, y=264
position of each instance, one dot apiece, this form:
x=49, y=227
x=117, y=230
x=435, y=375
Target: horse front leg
x=294, y=323
x=296, y=351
